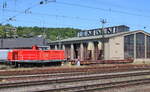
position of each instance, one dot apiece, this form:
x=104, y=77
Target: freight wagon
x=35, y=56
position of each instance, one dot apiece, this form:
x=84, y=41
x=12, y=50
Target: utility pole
x=59, y=39
x=103, y=22
x=44, y=34
x=2, y=41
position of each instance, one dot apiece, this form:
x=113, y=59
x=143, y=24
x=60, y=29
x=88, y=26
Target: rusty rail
x=77, y=69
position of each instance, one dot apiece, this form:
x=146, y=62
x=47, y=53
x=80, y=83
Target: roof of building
x=21, y=42
x=107, y=27
x=98, y=37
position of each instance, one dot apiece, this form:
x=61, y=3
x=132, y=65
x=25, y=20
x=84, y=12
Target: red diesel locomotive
x=34, y=55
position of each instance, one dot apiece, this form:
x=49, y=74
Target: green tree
x=51, y=33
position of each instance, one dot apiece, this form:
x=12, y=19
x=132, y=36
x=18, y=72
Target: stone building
x=119, y=44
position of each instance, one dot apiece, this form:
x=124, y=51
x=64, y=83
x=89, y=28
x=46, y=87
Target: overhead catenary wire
x=102, y=9
x=54, y=15
x=79, y=5
x=71, y=17
x=78, y=26
x=40, y=24
x=119, y=6
x=27, y=9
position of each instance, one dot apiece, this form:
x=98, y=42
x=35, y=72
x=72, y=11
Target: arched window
x=148, y=47
x=140, y=45
x=129, y=46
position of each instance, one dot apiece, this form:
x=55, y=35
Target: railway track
x=37, y=76
x=110, y=68
x=99, y=87
x=109, y=77
x=75, y=73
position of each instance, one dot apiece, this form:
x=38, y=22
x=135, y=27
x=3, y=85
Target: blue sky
x=82, y=14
